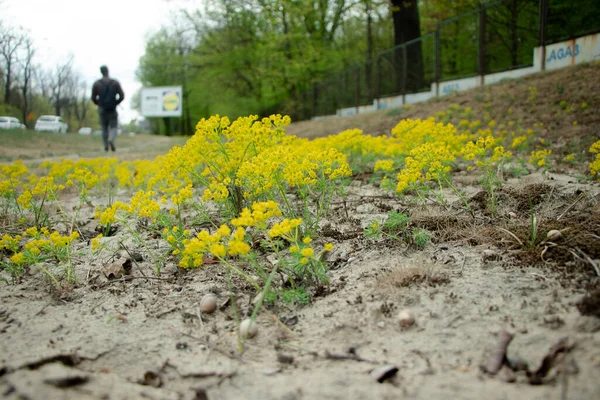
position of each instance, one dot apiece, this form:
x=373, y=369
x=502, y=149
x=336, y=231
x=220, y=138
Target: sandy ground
x=147, y=339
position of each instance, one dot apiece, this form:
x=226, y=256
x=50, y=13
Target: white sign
x=163, y=101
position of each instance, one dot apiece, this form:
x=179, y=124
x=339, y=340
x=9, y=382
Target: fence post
x=438, y=61
x=314, y=100
x=357, y=94
x=482, y=27
x=377, y=80
x=404, y=73
x=542, y=34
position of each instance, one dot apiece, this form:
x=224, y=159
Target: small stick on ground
x=347, y=356
x=42, y=309
x=170, y=310
x=550, y=360
x=130, y=278
x=581, y=196
x=589, y=259
x=499, y=354
x=211, y=346
x=132, y=258
x=513, y=235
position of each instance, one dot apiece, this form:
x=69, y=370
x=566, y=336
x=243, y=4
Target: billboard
x=163, y=101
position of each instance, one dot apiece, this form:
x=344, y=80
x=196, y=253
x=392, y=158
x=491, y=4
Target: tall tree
x=81, y=100
x=12, y=39
x=27, y=75
x=60, y=80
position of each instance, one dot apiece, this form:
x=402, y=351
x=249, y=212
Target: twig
x=449, y=324
x=130, y=278
x=538, y=275
x=513, y=235
x=588, y=259
x=424, y=357
x=211, y=346
x=581, y=196
x=550, y=360
x=132, y=258
x=464, y=261
x=170, y=310
x=347, y=356
x=42, y=309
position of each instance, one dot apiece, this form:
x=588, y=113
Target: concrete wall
x=558, y=55
x=571, y=52
x=419, y=97
x=512, y=74
x=458, y=85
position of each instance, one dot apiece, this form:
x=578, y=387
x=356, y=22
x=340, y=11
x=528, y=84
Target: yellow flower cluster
x=284, y=227
x=595, y=165
x=260, y=213
x=484, y=152
x=142, y=204
x=220, y=244
x=431, y=148
x=539, y=158
x=39, y=242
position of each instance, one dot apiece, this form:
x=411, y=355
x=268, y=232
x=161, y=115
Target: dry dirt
x=146, y=338
x=35, y=147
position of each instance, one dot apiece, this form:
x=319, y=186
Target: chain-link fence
x=498, y=36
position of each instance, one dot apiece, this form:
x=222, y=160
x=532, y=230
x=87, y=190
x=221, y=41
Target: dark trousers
x=109, y=120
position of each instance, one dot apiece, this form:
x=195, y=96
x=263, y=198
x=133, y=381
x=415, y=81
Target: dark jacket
x=99, y=86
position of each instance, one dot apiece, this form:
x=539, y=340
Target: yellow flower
x=539, y=157
x=218, y=250
x=328, y=246
x=96, y=242
x=31, y=232
x=307, y=251
x=17, y=259
x=307, y=240
x=238, y=247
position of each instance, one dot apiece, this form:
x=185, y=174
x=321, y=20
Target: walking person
x=104, y=95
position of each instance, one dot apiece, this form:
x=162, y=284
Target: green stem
x=239, y=272
x=287, y=204
x=459, y=194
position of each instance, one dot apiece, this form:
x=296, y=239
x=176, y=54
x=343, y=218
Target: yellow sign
x=170, y=101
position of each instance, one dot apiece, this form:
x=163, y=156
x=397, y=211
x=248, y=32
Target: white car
x=10, y=123
x=51, y=123
x=85, y=131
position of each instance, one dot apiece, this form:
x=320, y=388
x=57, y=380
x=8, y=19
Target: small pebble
x=406, y=318
x=554, y=235
x=208, y=304
x=248, y=328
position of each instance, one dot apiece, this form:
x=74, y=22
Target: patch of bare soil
x=35, y=147
x=491, y=310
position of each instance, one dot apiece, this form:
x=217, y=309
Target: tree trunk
x=370, y=46
x=8, y=81
x=514, y=36
x=405, y=15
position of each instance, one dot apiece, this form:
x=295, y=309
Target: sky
x=110, y=32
